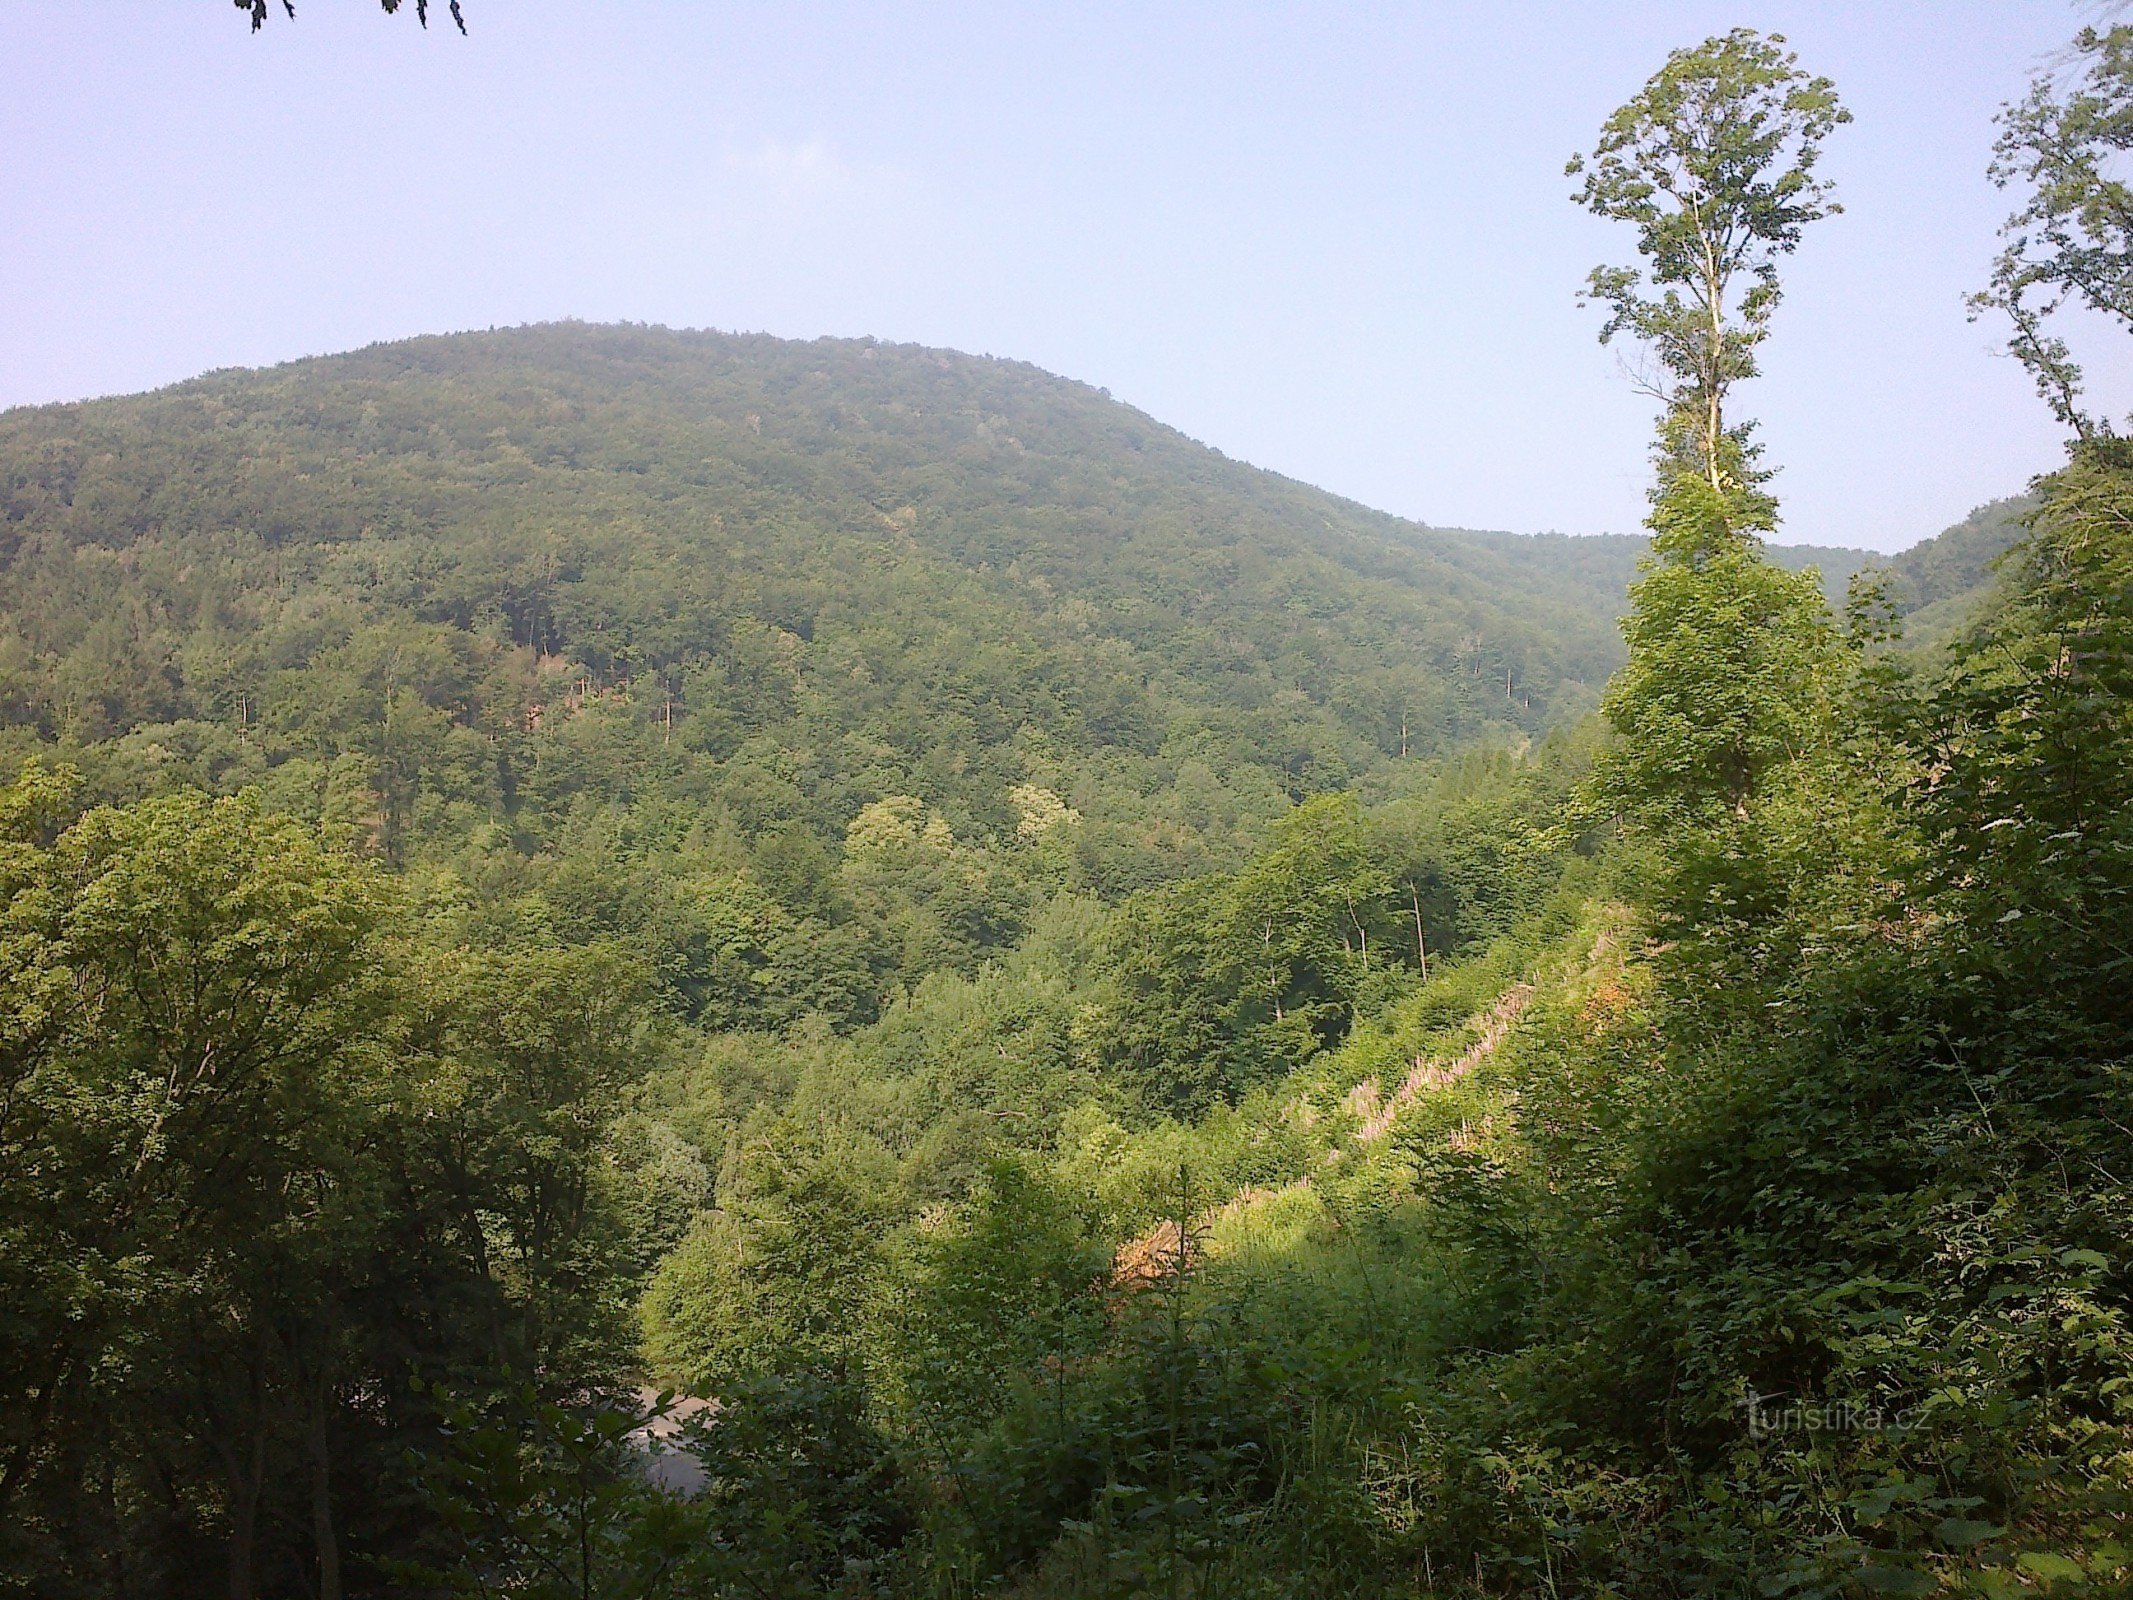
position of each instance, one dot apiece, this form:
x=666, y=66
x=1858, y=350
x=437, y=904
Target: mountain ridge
x=740, y=380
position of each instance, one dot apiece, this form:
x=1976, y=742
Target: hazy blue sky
x=1330, y=239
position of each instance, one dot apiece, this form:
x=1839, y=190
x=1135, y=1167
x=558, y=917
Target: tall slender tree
x=1714, y=162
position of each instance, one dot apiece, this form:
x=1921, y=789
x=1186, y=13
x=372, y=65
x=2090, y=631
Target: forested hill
x=563, y=609
x=999, y=550
x=946, y=551
x=1943, y=582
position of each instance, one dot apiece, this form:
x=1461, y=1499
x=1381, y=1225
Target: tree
x=1725, y=658
x=1713, y=162
x=1225, y=983
x=255, y=1172
x=532, y=1054
x=1297, y=916
x=189, y=1085
x=2071, y=241
x=782, y=1280
x=2026, y=782
x=1001, y=1291
x=257, y=10
x=2026, y=790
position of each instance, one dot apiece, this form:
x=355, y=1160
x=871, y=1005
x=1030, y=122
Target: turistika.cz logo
x=1766, y=1418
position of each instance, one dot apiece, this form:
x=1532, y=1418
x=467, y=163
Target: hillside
x=635, y=501
x=1943, y=582
x=899, y=562
x=900, y=570
x=575, y=614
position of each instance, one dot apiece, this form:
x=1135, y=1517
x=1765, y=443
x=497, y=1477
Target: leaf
x=1871, y=1505
x=1997, y=1583
x=1960, y=1533
x=1898, y=1580
x=2052, y=1567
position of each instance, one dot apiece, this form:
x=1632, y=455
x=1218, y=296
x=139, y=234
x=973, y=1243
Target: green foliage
x=1031, y=969
x=1000, y=1292
x=790, y=1494
x=1514, y=1275
x=2024, y=794
x=258, y=1166
x=1727, y=680
x=804, y=1495
x=188, y=1101
x=781, y=1279
x=540, y=1500
x=2070, y=242
x=1227, y=982
x=1731, y=660
x=531, y=1053
x=656, y=640
x=1713, y=162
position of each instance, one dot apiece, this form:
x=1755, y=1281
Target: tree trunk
x=245, y=1481
x=1715, y=358
x=322, y=1535
x=1421, y=949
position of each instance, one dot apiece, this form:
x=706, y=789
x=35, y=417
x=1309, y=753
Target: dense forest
x=478, y=600
x=639, y=963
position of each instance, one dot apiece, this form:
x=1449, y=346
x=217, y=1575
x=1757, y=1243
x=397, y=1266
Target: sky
x=1330, y=239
